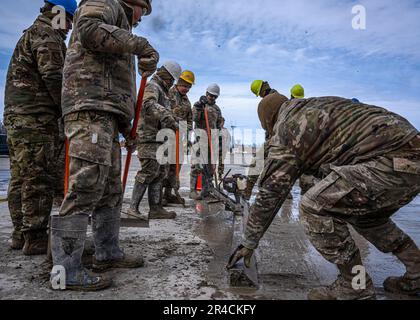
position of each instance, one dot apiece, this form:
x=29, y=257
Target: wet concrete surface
x=186, y=257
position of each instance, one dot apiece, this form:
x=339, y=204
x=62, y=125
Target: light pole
x=232, y=145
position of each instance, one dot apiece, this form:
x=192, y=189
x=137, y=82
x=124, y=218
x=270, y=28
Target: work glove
x=201, y=104
x=148, y=61
x=168, y=122
x=175, y=126
x=203, y=101
x=130, y=143
x=240, y=252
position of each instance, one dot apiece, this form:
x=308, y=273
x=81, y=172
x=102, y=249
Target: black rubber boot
x=36, y=243
x=108, y=255
x=138, y=193
x=342, y=288
x=409, y=283
x=166, y=196
x=17, y=240
x=155, y=203
x=68, y=235
x=169, y=198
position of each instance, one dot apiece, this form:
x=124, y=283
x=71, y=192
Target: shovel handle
x=133, y=132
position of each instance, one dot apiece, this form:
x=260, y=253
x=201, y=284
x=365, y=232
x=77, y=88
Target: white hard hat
x=214, y=89
x=173, y=68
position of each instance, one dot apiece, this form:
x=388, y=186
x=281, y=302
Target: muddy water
x=216, y=228
x=288, y=264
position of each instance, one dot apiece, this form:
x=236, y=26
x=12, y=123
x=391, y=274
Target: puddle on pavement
x=215, y=227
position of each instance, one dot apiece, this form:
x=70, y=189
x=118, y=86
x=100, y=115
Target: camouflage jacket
x=99, y=71
x=214, y=114
x=155, y=115
x=34, y=78
x=181, y=107
x=315, y=136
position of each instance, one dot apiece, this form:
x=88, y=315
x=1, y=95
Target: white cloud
x=286, y=42
x=323, y=23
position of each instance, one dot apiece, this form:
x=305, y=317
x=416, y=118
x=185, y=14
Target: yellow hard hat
x=188, y=76
x=256, y=87
x=298, y=92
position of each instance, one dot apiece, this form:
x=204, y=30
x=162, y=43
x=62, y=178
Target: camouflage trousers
x=365, y=196
x=172, y=178
x=204, y=168
x=151, y=171
x=306, y=182
x=59, y=171
x=60, y=164
x=95, y=163
x=32, y=142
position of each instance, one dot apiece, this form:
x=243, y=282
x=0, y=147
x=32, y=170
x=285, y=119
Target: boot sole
x=396, y=291
x=92, y=288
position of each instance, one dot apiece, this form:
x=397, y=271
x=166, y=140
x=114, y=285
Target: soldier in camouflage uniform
x=182, y=112
x=207, y=102
x=156, y=114
x=32, y=107
x=370, y=160
x=271, y=102
x=98, y=101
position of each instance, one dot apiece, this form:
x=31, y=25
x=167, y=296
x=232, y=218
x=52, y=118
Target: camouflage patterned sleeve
x=152, y=106
x=277, y=179
x=197, y=113
x=266, y=146
x=49, y=54
x=190, y=120
x=220, y=120
x=98, y=31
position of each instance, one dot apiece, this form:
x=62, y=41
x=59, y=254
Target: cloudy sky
x=285, y=42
